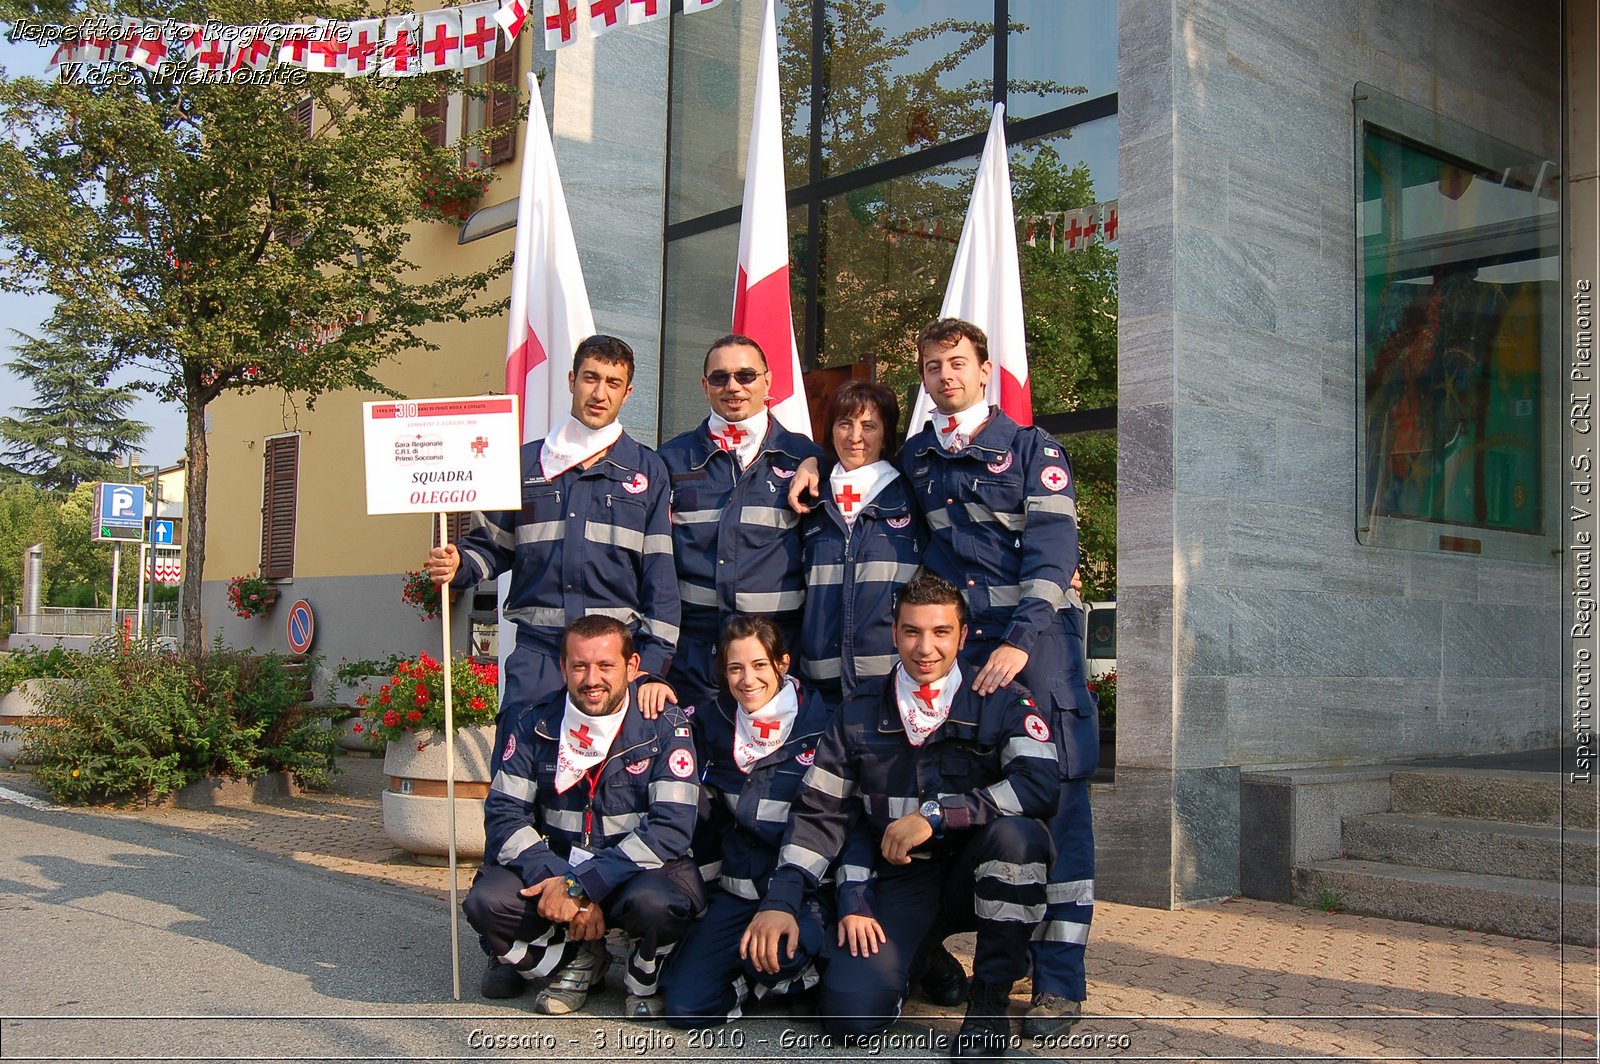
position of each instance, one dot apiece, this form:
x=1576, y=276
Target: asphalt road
x=124, y=940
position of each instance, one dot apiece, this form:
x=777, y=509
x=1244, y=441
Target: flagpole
x=450, y=774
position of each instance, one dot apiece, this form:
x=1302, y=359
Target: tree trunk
x=194, y=522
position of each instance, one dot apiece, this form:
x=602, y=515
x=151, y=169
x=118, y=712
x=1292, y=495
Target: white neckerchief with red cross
x=743, y=438
x=755, y=735
x=573, y=443
x=853, y=489
x=585, y=741
x=956, y=430
x=924, y=706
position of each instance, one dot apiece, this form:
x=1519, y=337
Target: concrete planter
x=21, y=702
x=348, y=692
x=414, y=804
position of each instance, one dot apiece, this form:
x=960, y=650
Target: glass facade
x=882, y=140
x=1459, y=266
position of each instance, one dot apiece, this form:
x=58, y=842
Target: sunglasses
x=720, y=378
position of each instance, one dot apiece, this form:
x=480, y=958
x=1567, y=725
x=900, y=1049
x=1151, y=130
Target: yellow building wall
x=333, y=534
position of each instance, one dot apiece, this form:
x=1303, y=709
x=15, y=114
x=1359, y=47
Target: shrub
x=138, y=722
x=1105, y=694
x=31, y=663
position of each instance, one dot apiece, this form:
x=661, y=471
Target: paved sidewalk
x=1233, y=979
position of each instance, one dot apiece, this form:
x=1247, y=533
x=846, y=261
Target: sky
x=164, y=443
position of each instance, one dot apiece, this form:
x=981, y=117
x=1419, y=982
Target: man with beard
x=587, y=825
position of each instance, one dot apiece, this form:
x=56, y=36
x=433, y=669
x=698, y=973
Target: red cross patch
x=1035, y=726
x=639, y=483
x=511, y=748
x=1054, y=477
x=805, y=757
x=639, y=768
x=1001, y=465
x=681, y=764
x=900, y=522
x=782, y=474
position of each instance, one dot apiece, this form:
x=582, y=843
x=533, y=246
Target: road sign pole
x=145, y=551
x=155, y=515
x=116, y=578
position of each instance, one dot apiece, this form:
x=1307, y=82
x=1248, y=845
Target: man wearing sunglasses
x=736, y=541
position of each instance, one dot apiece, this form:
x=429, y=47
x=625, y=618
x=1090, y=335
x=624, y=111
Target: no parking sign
x=301, y=626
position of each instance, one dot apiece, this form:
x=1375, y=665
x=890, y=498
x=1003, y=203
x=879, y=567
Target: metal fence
x=73, y=620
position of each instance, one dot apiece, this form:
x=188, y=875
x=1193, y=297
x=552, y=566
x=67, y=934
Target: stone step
x=1525, y=908
x=1485, y=794
x=1488, y=847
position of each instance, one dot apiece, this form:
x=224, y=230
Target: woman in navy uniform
x=757, y=740
x=859, y=546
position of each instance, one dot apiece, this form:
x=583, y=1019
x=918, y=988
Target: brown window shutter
x=432, y=115
x=503, y=106
x=280, y=480
x=303, y=113
x=455, y=526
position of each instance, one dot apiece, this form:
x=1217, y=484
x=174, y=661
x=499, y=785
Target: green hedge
x=138, y=722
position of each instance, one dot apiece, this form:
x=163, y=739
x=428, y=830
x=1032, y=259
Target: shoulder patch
x=681, y=764
x=682, y=733
x=1035, y=726
x=1053, y=452
x=511, y=747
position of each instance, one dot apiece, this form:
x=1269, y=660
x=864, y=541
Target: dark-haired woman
x=756, y=741
x=859, y=546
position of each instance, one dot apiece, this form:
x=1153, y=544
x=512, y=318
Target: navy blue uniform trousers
x=862, y=995
x=708, y=983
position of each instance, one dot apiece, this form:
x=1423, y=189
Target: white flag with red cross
x=401, y=54
x=642, y=11
x=209, y=51
x=761, y=290
x=326, y=47
x=986, y=283
x=1109, y=221
x=441, y=40
x=480, y=42
x=293, y=49
x=550, y=309
x=362, y=54
x=512, y=16
x=560, y=23
x=255, y=48
x=607, y=15
x=149, y=49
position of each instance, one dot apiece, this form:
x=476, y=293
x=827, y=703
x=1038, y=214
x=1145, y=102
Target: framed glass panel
x=1057, y=44
x=902, y=76
x=698, y=305
x=1458, y=259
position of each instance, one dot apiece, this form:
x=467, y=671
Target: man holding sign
x=592, y=536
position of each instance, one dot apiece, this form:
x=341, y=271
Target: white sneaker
x=570, y=985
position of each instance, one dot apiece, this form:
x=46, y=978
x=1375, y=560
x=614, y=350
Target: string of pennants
x=454, y=38
x=1075, y=229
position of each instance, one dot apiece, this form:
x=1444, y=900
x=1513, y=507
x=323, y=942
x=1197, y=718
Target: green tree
x=78, y=424
x=25, y=519
x=210, y=240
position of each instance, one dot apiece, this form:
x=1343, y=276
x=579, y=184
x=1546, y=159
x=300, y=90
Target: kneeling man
x=587, y=825
x=948, y=785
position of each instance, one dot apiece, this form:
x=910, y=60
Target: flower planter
x=17, y=705
x=415, y=813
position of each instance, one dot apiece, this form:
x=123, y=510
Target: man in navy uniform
x=587, y=825
x=948, y=783
x=592, y=536
x=1002, y=521
x=736, y=540
x=1002, y=515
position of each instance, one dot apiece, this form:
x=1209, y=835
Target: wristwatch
x=574, y=888
x=933, y=813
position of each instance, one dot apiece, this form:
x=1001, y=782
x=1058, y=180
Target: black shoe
x=944, y=981
x=501, y=981
x=986, y=1032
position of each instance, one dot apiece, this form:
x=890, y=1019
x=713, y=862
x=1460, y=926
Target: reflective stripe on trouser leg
x=1058, y=943
x=509, y=926
x=1002, y=879
x=655, y=908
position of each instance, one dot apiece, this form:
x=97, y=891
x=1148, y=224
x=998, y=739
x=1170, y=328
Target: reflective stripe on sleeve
x=524, y=838
x=518, y=787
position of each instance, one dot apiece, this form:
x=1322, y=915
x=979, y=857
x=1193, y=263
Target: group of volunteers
x=789, y=716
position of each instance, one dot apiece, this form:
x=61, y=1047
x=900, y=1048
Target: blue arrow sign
x=161, y=533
